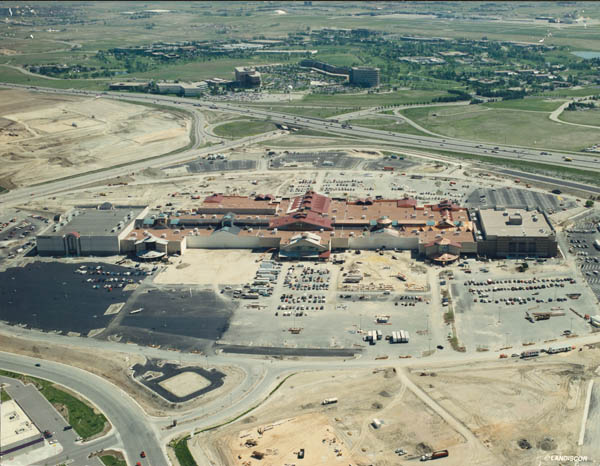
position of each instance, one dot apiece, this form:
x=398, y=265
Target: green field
x=4, y=396
x=583, y=92
x=107, y=26
x=582, y=117
x=387, y=124
x=530, y=167
x=199, y=70
x=291, y=141
x=183, y=454
x=372, y=100
x=312, y=132
x=110, y=460
x=535, y=104
x=10, y=75
x=81, y=416
x=319, y=105
x=503, y=126
x=315, y=112
x=240, y=129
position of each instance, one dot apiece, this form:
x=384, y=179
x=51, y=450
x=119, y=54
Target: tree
x=589, y=203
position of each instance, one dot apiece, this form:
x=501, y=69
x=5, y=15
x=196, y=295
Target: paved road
x=449, y=144
x=135, y=430
x=126, y=416
x=423, y=142
x=550, y=180
x=138, y=431
x=45, y=417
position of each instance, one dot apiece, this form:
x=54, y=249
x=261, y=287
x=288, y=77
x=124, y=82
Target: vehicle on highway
x=37, y=364
x=143, y=454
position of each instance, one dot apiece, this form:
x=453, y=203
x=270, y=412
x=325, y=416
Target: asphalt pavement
x=129, y=421
x=423, y=142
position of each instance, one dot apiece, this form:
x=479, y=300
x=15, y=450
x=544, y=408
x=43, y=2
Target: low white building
x=188, y=89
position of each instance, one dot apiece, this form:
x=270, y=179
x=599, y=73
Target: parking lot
x=517, y=198
x=45, y=417
x=55, y=296
x=204, y=165
x=321, y=160
x=581, y=239
x=306, y=311
x=398, y=163
x=345, y=184
x=299, y=186
x=17, y=234
x=504, y=310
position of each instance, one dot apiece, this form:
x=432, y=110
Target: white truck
x=401, y=336
x=371, y=337
x=329, y=401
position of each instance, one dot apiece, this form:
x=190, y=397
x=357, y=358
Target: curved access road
x=554, y=116
x=126, y=416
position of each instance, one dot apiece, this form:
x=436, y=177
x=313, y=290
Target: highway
x=137, y=431
x=554, y=158
x=133, y=429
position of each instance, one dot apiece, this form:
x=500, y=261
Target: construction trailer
x=401, y=336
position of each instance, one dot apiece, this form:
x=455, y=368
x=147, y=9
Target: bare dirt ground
x=193, y=269
x=114, y=366
x=504, y=403
x=282, y=444
x=346, y=426
x=496, y=413
x=46, y=137
x=382, y=271
x=184, y=384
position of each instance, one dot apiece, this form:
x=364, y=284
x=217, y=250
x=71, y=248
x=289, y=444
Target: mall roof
x=311, y=201
x=310, y=219
x=514, y=223
x=95, y=222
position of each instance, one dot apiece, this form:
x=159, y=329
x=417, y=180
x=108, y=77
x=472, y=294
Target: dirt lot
x=503, y=412
x=43, y=137
x=363, y=395
x=505, y=402
x=114, y=366
x=185, y=384
x=382, y=271
x=211, y=267
x=282, y=444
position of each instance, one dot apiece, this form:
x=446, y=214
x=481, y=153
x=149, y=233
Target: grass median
x=567, y=173
x=182, y=452
x=110, y=460
x=240, y=129
x=85, y=420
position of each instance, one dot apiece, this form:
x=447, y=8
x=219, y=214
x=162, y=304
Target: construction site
x=296, y=300
x=45, y=137
x=474, y=411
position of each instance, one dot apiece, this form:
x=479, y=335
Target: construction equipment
x=329, y=401
x=435, y=455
